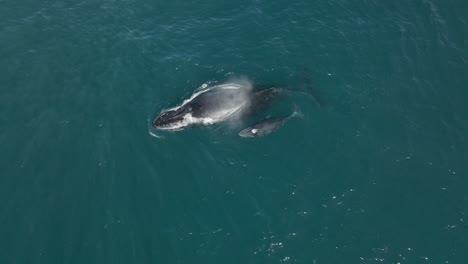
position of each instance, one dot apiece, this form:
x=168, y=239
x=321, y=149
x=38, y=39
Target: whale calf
x=266, y=126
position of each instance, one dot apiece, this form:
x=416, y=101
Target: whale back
x=219, y=103
x=262, y=100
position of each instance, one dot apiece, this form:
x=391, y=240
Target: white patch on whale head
x=189, y=120
x=254, y=130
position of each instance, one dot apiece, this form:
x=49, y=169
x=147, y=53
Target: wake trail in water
x=155, y=135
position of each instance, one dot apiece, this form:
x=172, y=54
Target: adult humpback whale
x=217, y=104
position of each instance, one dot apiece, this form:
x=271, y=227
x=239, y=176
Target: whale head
x=172, y=119
x=249, y=132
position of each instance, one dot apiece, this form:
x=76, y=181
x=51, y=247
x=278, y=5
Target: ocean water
x=377, y=173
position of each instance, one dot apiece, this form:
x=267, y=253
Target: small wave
x=155, y=135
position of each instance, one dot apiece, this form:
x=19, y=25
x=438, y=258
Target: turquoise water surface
x=375, y=174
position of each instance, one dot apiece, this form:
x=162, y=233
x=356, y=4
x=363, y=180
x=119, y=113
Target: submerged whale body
x=215, y=105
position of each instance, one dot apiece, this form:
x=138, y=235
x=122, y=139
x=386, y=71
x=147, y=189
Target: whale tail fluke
x=309, y=88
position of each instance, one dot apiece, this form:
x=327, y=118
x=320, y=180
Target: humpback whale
x=217, y=104
x=266, y=126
